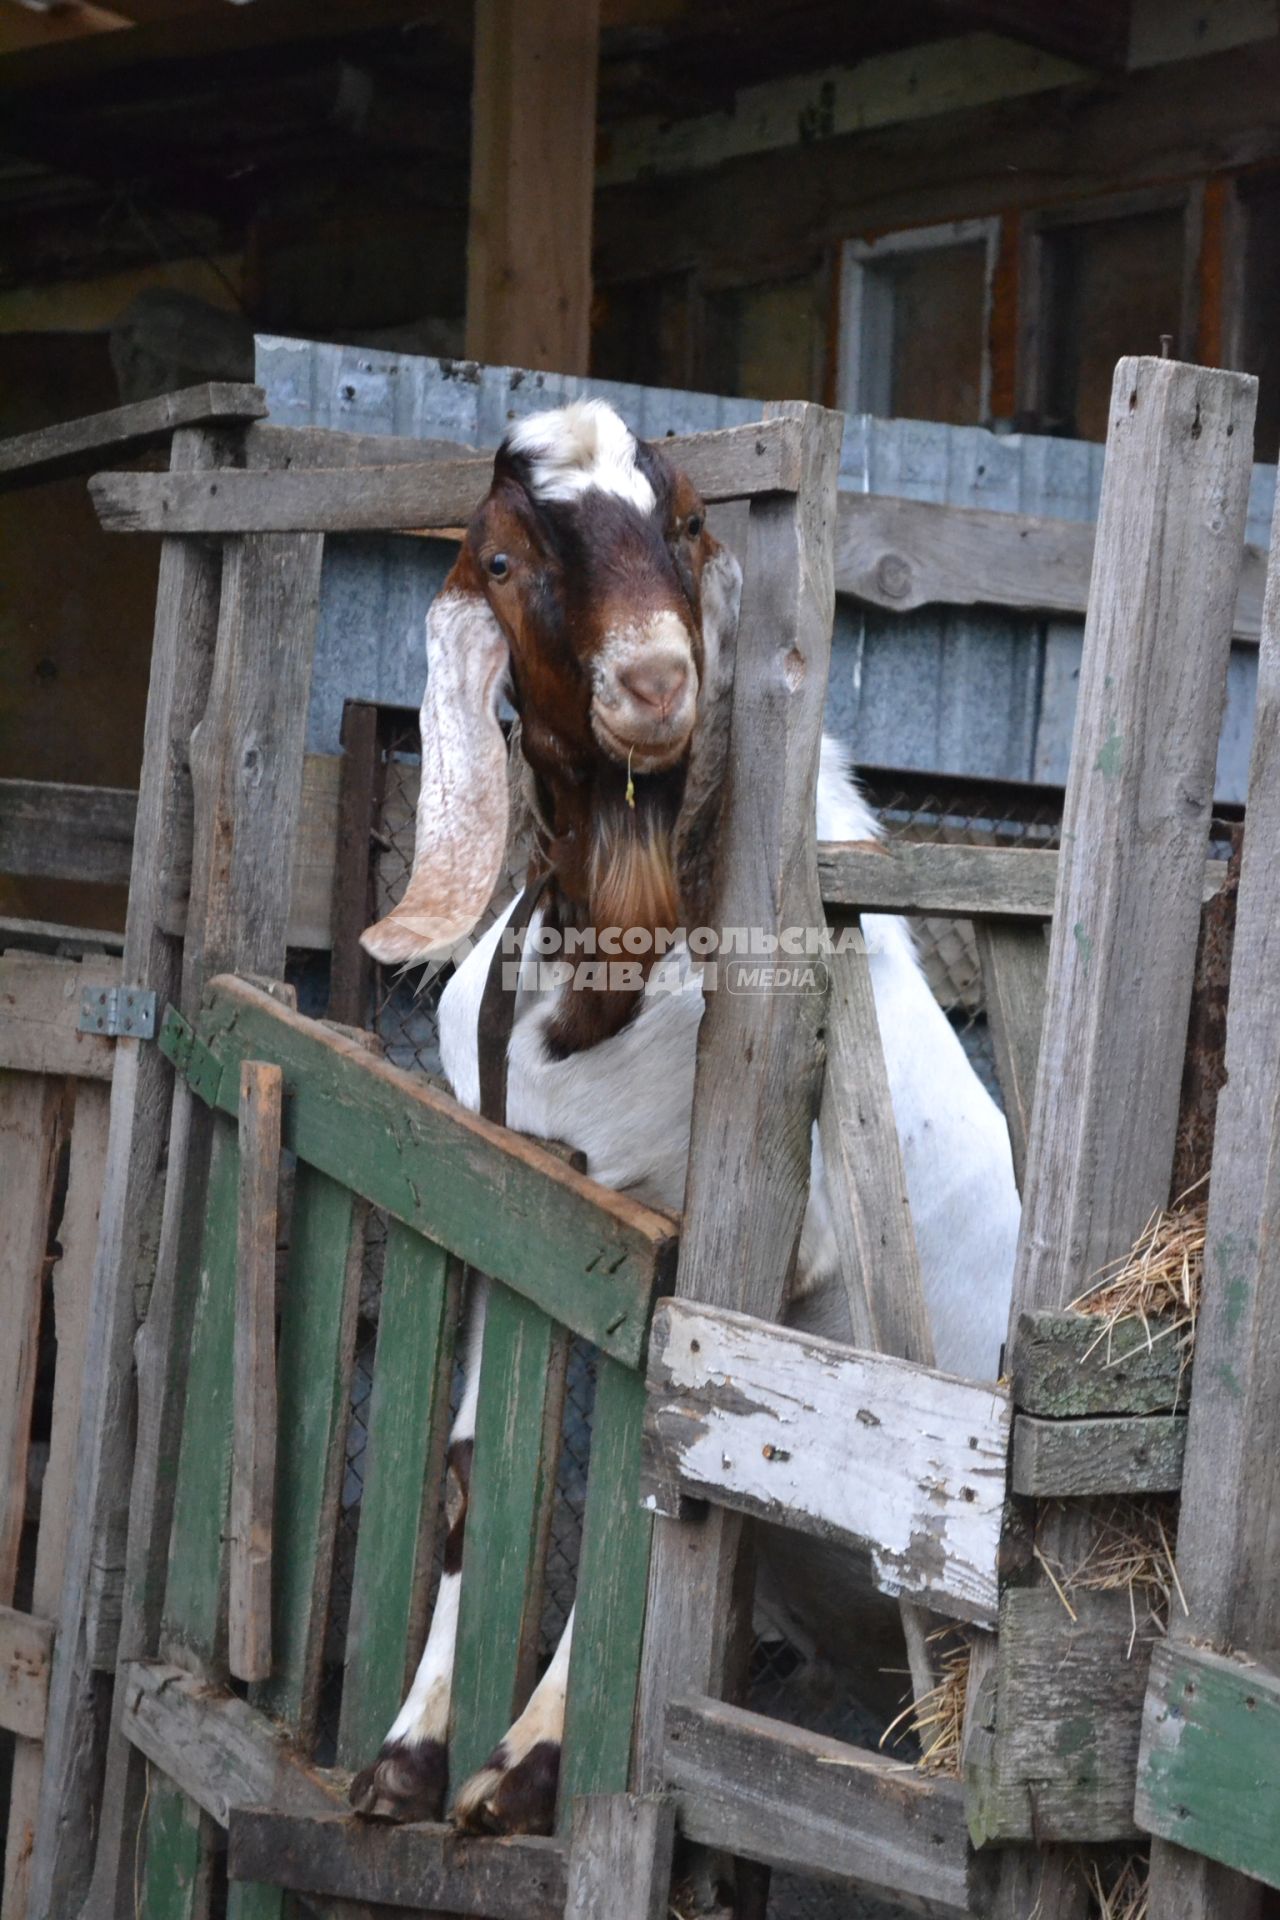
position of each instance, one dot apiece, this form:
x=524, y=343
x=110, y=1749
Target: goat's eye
x=499, y=566
x=693, y=525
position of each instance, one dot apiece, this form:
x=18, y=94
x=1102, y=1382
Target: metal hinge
x=118, y=1012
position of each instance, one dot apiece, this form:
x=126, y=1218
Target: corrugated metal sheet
x=950, y=690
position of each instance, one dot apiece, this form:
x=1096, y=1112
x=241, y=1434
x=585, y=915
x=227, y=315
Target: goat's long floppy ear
x=462, y=804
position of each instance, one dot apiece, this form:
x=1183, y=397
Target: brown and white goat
x=590, y=589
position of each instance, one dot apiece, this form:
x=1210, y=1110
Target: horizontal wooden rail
x=78, y=446
x=1076, y=1459
x=424, y=1867
x=591, y=1258
x=803, y=1801
x=1209, y=1764
x=219, y=1750
x=26, y=1645
x=903, y=1463
x=40, y=1010
x=903, y=554
x=1015, y=883
x=733, y=463
x=51, y=830
x=1069, y=1365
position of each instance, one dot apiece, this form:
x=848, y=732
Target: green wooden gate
x=566, y=1256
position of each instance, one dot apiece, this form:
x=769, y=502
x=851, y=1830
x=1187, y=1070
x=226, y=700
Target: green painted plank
x=178, y=1838
x=613, y=1578
x=1209, y=1766
x=407, y=1425
x=594, y=1259
x=512, y=1478
x=313, y=1370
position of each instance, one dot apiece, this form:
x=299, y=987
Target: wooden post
x=620, y=1856
x=246, y=770
x=533, y=139
x=181, y=663
x=759, y=1055
x=253, y=1450
x=1153, y=679
x=1227, y=1558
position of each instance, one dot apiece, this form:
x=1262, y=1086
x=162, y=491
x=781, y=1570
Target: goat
x=590, y=588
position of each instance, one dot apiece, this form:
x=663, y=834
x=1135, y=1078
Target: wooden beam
x=903, y=554
x=620, y=1856
x=1014, y=957
x=533, y=149
x=811, y=1804
x=221, y=1752
x=39, y=1011
x=1095, y=32
x=1075, y=1459
x=253, y=1452
x=1068, y=1366
x=25, y=1645
x=1208, y=1777
x=729, y=464
x=904, y=1464
x=78, y=446
x=419, y=1866
x=598, y=1258
x=52, y=830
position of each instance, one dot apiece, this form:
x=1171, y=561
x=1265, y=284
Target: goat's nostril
x=655, y=683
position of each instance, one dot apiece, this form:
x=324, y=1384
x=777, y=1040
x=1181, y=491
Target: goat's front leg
x=515, y=1790
x=410, y=1777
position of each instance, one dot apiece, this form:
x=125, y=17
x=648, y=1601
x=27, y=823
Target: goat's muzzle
x=645, y=692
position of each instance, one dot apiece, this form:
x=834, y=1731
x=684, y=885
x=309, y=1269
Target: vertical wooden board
x=253, y=1453
x=408, y=1420
x=317, y=1338
x=620, y=1857
x=613, y=1575
x=77, y=1232
x=522, y=1374
x=1015, y=962
x=30, y=1140
x=178, y=1840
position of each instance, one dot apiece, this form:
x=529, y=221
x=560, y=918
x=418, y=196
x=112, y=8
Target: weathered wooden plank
x=759, y=1058
x=407, y=1423
x=733, y=463
x=1068, y=1705
x=902, y=554
x=1060, y=1459
x=1208, y=1777
x=39, y=1008
x=72, y=1274
x=25, y=1645
x=620, y=1857
x=517, y=1446
x=78, y=446
x=273, y=447
x=253, y=1452
x=49, y=829
x=1015, y=960
x=1152, y=685
x=608, y=1621
x=870, y=1213
x=802, y=1800
x=32, y=1117
x=317, y=1341
x=593, y=1258
x=905, y=1464
x=419, y=1866
x=361, y=781
x=1013, y=883
x=1066, y=1366
x=75, y=1810
x=1231, y=1487
x=215, y=1748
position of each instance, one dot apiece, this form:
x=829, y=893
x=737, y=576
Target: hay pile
x=937, y=1717
x=1121, y=1894
x=1157, y=1282
x=1130, y=1550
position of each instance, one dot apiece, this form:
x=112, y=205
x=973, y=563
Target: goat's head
x=589, y=587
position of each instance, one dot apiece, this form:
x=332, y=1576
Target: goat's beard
x=632, y=880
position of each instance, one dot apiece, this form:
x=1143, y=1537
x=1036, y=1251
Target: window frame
x=864, y=368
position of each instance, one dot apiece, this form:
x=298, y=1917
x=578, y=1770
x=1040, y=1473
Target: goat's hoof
x=511, y=1797
x=407, y=1781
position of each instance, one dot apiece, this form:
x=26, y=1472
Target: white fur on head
x=462, y=803
x=573, y=449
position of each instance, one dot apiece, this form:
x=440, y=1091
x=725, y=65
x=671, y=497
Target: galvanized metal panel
x=963, y=691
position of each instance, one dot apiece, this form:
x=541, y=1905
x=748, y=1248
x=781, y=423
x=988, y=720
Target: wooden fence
x=1089, y=1032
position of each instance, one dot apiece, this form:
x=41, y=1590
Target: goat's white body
x=627, y=1104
